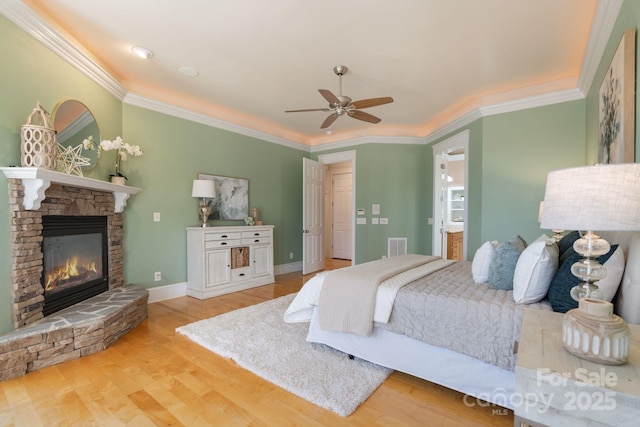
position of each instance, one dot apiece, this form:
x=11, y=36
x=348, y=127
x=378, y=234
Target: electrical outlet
x=290, y=255
x=384, y=220
x=156, y=217
x=157, y=276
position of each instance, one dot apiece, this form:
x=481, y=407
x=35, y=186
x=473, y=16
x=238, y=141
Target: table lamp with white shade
x=590, y=198
x=204, y=189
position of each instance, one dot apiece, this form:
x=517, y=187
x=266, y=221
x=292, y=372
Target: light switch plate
x=374, y=220
x=384, y=220
x=375, y=209
x=361, y=220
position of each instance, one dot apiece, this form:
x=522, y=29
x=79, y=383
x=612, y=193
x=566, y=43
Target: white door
x=341, y=216
x=312, y=216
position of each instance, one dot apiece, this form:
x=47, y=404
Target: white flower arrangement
x=122, y=148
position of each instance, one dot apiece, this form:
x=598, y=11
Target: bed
x=444, y=327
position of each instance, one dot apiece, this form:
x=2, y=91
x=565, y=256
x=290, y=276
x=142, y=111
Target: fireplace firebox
x=75, y=260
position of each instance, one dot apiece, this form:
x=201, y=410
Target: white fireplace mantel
x=37, y=180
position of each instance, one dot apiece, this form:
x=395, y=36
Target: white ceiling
x=438, y=59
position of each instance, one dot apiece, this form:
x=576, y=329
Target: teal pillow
x=559, y=294
x=503, y=265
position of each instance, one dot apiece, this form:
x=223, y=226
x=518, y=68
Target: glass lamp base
x=585, y=290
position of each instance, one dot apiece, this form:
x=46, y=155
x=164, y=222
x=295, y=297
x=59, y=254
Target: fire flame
x=72, y=268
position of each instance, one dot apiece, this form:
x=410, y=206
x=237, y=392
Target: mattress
x=447, y=309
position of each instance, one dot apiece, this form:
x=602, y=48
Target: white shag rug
x=258, y=339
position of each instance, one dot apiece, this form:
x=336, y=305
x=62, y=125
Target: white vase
x=120, y=180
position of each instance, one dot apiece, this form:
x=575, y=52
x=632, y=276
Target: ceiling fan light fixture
x=342, y=104
x=142, y=52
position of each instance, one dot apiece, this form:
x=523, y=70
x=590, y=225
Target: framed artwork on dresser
x=232, y=197
x=616, y=139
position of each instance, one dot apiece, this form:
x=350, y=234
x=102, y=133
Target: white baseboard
x=288, y=268
x=161, y=293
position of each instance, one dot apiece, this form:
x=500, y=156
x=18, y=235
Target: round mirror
x=74, y=123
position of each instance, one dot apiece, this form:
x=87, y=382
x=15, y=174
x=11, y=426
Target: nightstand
x=553, y=387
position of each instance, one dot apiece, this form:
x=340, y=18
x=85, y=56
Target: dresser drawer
x=256, y=240
x=222, y=236
x=240, y=273
x=256, y=233
x=222, y=243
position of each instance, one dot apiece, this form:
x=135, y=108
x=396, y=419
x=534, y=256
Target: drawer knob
x=224, y=236
x=256, y=241
x=223, y=244
x=256, y=234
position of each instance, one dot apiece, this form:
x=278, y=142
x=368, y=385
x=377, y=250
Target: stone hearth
x=79, y=330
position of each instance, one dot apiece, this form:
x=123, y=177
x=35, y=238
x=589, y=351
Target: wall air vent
x=396, y=246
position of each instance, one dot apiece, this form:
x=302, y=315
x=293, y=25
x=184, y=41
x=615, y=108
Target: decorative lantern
x=38, y=141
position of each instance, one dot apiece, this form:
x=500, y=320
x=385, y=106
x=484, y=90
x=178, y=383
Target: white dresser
x=221, y=260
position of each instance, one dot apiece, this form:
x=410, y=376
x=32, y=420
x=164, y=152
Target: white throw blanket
x=301, y=307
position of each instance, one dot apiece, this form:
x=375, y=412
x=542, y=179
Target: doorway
x=450, y=199
x=338, y=211
x=346, y=159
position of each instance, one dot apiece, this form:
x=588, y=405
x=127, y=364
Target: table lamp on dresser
x=205, y=189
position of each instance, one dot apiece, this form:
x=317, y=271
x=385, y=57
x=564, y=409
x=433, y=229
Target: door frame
x=460, y=140
x=339, y=157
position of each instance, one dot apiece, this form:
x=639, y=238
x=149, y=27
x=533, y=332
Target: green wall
x=519, y=150
x=175, y=151
x=398, y=178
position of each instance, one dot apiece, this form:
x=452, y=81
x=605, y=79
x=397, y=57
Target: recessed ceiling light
x=188, y=71
x=142, y=52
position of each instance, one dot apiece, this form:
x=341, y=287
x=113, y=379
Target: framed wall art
x=232, y=197
x=616, y=140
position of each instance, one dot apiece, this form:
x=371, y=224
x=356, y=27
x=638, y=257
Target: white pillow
x=615, y=269
x=536, y=267
x=482, y=260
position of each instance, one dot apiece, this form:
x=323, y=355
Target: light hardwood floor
x=153, y=376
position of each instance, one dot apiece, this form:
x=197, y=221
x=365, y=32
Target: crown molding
x=551, y=98
x=370, y=139
x=26, y=19
x=603, y=22
x=172, y=110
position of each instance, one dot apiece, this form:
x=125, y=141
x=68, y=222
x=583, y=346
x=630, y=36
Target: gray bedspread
x=447, y=309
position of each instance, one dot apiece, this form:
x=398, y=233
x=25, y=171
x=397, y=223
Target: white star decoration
x=70, y=159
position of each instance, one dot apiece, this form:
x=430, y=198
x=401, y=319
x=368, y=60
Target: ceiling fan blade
x=373, y=102
x=361, y=115
x=329, y=120
x=310, y=109
x=329, y=96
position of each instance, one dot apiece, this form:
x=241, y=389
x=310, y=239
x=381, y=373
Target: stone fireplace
x=86, y=213
x=26, y=242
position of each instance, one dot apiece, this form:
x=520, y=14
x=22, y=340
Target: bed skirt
x=479, y=381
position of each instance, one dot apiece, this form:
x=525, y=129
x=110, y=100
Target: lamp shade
x=600, y=197
x=203, y=188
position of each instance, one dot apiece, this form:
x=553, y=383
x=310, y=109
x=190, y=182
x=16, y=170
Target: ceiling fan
x=341, y=105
